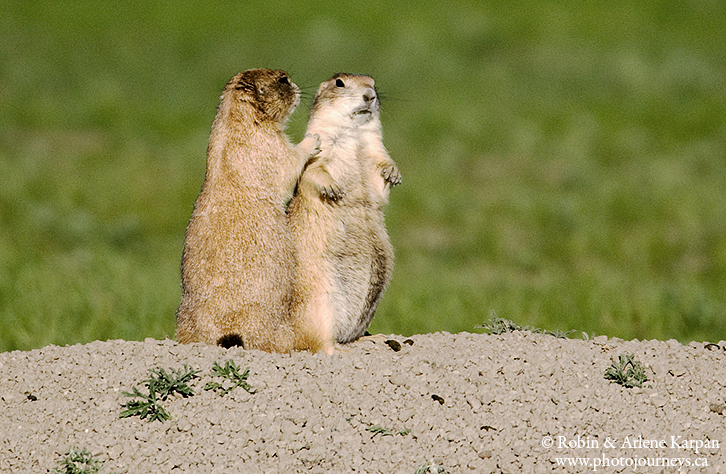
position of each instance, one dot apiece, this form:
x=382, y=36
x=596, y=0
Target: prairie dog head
x=347, y=99
x=270, y=96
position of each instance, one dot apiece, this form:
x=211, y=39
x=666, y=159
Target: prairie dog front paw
x=317, y=144
x=310, y=146
x=390, y=173
x=320, y=182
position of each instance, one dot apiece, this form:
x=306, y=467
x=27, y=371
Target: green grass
x=562, y=163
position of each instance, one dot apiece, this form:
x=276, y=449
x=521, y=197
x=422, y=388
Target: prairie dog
x=344, y=255
x=238, y=259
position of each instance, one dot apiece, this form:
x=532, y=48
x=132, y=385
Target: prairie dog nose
x=369, y=96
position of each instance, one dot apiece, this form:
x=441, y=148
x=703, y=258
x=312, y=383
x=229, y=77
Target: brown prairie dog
x=238, y=260
x=344, y=255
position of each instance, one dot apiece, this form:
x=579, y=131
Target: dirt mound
x=513, y=403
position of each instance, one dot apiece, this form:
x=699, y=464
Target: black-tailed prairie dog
x=238, y=260
x=344, y=255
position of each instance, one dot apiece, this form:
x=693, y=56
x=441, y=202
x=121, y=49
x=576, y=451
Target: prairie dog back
x=344, y=255
x=237, y=277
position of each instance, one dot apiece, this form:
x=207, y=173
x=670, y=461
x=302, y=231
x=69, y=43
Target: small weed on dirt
x=431, y=468
x=626, y=371
x=166, y=384
x=78, y=462
x=377, y=429
x=147, y=406
x=230, y=371
x=497, y=325
x=160, y=385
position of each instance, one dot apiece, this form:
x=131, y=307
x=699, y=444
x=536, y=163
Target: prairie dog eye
x=339, y=83
x=284, y=80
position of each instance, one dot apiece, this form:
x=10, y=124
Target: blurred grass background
x=563, y=162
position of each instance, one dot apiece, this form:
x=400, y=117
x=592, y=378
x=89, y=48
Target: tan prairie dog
x=238, y=260
x=344, y=255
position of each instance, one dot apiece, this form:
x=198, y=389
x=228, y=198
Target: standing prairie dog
x=344, y=255
x=238, y=260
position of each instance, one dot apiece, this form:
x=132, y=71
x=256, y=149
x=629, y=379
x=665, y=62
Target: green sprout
x=160, y=385
x=626, y=371
x=377, y=429
x=497, y=325
x=78, y=462
x=167, y=383
x=147, y=406
x=230, y=371
x=431, y=468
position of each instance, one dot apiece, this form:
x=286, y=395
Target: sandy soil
x=513, y=403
